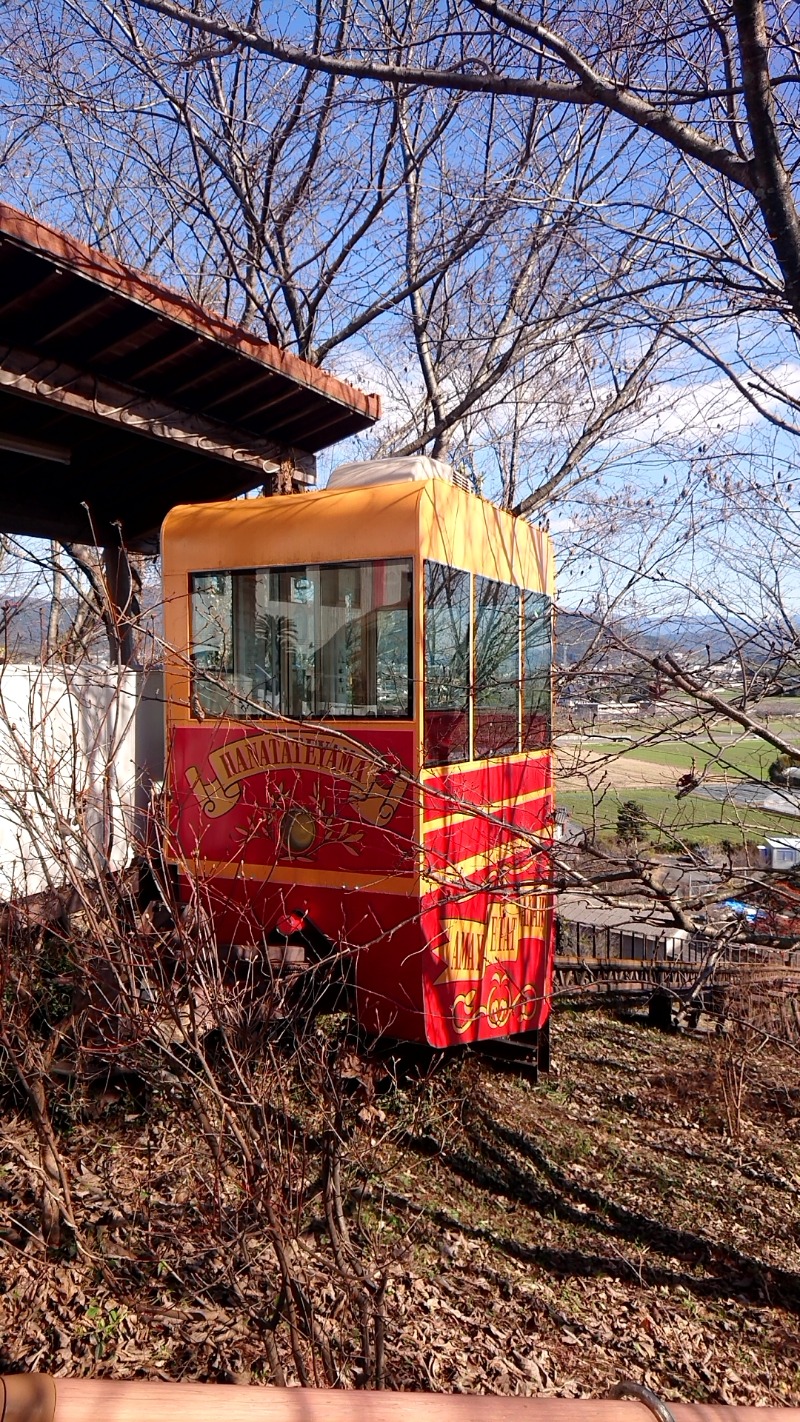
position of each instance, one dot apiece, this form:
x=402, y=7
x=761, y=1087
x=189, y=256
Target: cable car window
x=447, y=655
x=497, y=668
x=212, y=642
x=318, y=640
x=537, y=656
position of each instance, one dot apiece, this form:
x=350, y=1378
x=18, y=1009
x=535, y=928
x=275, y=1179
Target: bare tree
x=710, y=94
x=412, y=238
x=464, y=217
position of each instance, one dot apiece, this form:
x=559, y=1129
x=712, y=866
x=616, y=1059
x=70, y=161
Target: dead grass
x=550, y=1239
x=581, y=768
x=631, y=1235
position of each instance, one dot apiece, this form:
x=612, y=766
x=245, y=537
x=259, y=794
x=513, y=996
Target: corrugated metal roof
x=120, y=397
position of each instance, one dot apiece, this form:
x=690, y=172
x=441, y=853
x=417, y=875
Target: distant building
x=781, y=851
x=608, y=710
x=566, y=830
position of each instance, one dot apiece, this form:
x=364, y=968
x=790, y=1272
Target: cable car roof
x=120, y=398
x=433, y=517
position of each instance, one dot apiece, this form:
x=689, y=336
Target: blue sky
x=630, y=527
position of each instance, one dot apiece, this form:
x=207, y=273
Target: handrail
x=38, y=1398
x=27, y=1397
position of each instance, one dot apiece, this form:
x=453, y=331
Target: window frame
x=468, y=660
x=199, y=712
x=522, y=680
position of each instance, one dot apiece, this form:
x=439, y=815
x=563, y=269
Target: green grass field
x=674, y=821
x=788, y=727
x=751, y=757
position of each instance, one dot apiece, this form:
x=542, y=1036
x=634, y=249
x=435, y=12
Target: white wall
x=68, y=778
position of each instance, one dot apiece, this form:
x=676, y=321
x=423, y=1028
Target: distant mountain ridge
x=691, y=635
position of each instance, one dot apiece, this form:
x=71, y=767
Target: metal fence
x=601, y=943
x=597, y=944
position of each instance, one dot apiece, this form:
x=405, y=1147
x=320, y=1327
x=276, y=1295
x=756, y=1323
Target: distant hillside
x=691, y=635
x=23, y=625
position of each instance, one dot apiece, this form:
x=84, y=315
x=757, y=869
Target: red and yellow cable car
x=358, y=712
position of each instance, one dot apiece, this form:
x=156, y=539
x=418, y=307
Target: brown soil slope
x=635, y=1216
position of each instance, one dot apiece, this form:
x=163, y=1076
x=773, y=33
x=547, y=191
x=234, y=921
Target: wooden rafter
x=56, y=383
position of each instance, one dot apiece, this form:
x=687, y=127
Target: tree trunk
x=773, y=190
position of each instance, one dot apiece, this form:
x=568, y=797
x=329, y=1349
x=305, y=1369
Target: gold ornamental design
x=503, y=1000
x=473, y=945
x=375, y=788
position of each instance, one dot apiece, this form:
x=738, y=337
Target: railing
x=600, y=943
x=37, y=1398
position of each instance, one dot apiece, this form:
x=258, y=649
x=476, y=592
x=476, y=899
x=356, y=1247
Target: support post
x=123, y=606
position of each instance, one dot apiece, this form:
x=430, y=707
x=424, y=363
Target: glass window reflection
x=329, y=640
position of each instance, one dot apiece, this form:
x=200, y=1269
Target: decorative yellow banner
x=473, y=945
x=252, y=755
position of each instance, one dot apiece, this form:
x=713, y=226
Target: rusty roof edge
x=107, y=271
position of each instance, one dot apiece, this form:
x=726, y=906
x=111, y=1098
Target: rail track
x=515, y=1056
x=759, y=985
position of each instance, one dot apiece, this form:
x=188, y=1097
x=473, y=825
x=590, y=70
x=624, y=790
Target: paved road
x=720, y=738
x=753, y=794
